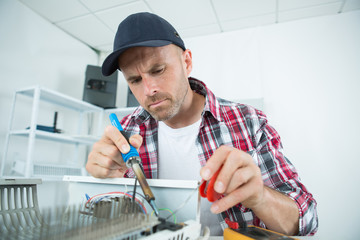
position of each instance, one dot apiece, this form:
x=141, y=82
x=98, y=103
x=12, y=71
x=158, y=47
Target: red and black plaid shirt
x=239, y=126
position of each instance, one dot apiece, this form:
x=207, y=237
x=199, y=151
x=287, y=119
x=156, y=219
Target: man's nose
x=150, y=86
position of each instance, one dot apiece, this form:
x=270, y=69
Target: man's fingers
x=106, y=155
x=105, y=161
x=244, y=192
x=107, y=150
x=136, y=141
x=215, y=162
x=102, y=172
x=113, y=135
x=236, y=160
x=117, y=138
x=240, y=177
x=101, y=166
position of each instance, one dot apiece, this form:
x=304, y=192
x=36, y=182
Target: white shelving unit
x=29, y=167
x=120, y=112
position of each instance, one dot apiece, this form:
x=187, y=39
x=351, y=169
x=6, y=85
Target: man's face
x=158, y=77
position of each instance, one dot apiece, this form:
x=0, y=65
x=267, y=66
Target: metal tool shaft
x=149, y=196
x=132, y=160
x=142, y=180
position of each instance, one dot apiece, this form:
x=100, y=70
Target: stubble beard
x=163, y=114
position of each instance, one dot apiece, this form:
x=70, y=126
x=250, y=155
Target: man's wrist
x=278, y=212
x=261, y=204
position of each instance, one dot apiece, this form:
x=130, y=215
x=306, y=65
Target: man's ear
x=187, y=55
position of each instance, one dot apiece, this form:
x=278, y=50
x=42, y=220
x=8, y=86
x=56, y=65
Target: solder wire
x=133, y=196
x=184, y=203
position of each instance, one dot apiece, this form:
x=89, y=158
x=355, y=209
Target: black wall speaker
x=98, y=89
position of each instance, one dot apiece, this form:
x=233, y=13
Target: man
x=182, y=130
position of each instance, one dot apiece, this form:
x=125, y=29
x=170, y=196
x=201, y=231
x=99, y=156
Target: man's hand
x=105, y=161
x=240, y=181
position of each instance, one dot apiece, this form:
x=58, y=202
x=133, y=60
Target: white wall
x=32, y=52
x=308, y=73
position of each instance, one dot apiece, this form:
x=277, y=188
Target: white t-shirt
x=178, y=156
x=178, y=159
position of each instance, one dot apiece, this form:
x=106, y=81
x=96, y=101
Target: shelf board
x=55, y=170
x=126, y=110
x=45, y=171
x=59, y=99
x=58, y=137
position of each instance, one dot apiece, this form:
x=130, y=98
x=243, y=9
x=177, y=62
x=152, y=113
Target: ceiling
x=94, y=22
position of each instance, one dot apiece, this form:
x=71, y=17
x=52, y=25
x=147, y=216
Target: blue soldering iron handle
x=133, y=152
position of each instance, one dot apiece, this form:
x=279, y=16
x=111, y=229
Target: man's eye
x=134, y=81
x=160, y=70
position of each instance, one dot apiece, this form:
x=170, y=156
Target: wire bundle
x=113, y=196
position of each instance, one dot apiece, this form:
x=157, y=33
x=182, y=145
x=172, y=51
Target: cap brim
x=110, y=64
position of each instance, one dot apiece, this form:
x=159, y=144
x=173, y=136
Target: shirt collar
x=212, y=106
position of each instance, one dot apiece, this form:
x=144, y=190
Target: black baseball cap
x=140, y=30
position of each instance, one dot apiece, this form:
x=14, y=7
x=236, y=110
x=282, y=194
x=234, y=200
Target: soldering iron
x=133, y=160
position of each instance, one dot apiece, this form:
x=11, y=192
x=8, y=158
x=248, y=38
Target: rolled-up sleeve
x=280, y=174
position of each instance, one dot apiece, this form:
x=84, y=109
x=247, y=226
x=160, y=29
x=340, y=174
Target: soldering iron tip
x=153, y=205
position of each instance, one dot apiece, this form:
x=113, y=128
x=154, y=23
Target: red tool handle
x=207, y=188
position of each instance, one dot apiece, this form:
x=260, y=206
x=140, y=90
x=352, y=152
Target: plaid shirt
x=239, y=126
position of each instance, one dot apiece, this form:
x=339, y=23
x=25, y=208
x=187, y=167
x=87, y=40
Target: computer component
x=112, y=215
x=131, y=100
x=98, y=89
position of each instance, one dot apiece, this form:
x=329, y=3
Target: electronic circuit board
x=109, y=215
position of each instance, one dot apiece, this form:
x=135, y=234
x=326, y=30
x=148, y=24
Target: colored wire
x=139, y=194
x=171, y=213
x=102, y=196
x=108, y=194
x=184, y=203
